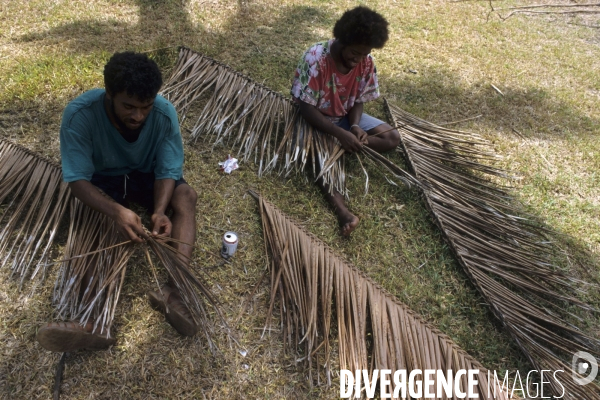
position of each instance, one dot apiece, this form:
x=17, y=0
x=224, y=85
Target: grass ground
x=440, y=64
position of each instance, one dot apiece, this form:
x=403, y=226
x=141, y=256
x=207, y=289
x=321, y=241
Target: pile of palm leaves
x=35, y=199
x=505, y=256
x=375, y=330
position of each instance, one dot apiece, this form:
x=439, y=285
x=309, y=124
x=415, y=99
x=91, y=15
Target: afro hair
x=133, y=73
x=363, y=26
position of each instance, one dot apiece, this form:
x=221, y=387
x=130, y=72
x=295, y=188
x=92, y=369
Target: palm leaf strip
x=375, y=329
x=505, y=256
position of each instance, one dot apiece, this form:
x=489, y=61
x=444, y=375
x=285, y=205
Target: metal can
x=230, y=242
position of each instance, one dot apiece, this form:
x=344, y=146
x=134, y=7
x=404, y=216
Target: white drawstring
x=125, y=185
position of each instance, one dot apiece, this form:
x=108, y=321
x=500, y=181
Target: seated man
x=125, y=140
x=332, y=82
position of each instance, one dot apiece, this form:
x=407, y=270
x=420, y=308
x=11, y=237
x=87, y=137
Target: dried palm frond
x=263, y=125
x=36, y=200
x=505, y=256
x=375, y=330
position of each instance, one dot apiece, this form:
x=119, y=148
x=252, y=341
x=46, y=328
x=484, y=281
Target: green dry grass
x=545, y=127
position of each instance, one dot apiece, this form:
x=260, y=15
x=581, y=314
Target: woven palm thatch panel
x=505, y=256
x=313, y=283
x=263, y=126
x=34, y=199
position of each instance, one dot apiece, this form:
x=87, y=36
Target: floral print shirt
x=318, y=82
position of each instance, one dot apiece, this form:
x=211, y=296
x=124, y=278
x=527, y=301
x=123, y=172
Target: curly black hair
x=361, y=25
x=133, y=73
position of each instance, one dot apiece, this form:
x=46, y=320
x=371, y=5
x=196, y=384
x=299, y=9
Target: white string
x=125, y=185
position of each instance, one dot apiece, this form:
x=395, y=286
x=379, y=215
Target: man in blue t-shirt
x=124, y=140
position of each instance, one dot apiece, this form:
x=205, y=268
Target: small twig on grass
x=549, y=6
x=587, y=26
x=548, y=164
x=496, y=89
x=487, y=19
x=219, y=182
x=548, y=12
x=519, y=134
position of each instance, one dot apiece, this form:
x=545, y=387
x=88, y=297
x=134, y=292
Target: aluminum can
x=230, y=242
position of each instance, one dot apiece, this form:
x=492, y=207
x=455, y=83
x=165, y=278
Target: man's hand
x=360, y=134
x=350, y=142
x=129, y=225
x=161, y=225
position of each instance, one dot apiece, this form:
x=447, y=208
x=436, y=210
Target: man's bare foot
x=348, y=223
x=169, y=302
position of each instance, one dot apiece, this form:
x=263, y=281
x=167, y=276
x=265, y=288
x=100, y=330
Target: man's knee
x=184, y=197
x=394, y=138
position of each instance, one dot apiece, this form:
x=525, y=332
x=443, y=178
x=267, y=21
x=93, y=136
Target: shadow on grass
x=34, y=125
x=159, y=24
x=256, y=40
x=440, y=96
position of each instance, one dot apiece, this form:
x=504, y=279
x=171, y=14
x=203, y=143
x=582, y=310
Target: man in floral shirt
x=332, y=82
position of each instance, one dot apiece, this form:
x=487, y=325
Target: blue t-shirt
x=89, y=143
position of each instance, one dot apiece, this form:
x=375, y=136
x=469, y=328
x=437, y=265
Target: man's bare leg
x=383, y=142
x=183, y=203
x=379, y=142
x=348, y=221
x=183, y=223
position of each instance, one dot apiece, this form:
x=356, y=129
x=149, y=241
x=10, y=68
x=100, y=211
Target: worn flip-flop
x=71, y=336
x=176, y=313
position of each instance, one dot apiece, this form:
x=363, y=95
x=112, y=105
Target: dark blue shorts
x=134, y=187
